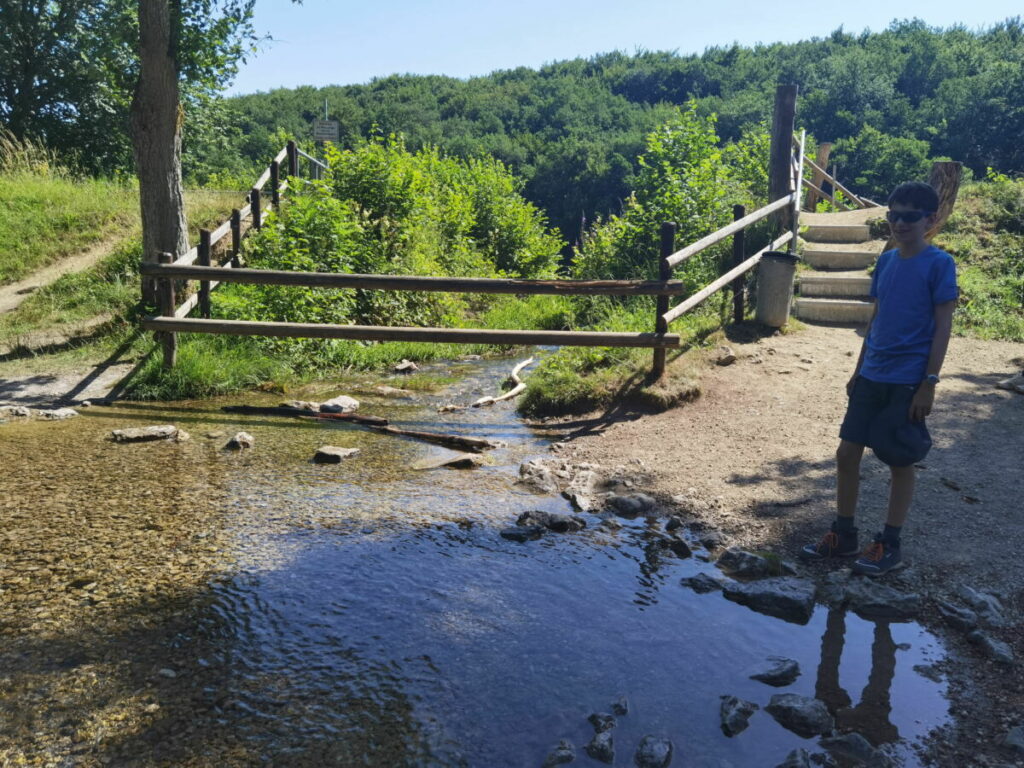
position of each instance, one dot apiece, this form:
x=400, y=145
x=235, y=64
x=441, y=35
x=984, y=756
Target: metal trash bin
x=776, y=273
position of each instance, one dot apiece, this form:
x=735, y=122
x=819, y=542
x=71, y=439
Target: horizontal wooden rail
x=724, y=280
x=262, y=180
x=715, y=237
x=312, y=159
x=442, y=335
x=189, y=257
x=179, y=271
x=222, y=231
x=281, y=156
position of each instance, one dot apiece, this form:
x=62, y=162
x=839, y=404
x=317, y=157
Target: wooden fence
x=197, y=265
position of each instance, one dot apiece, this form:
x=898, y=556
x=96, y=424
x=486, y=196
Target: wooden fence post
x=254, y=201
x=781, y=157
x=668, y=243
x=165, y=292
x=293, y=159
x=236, y=237
x=203, y=260
x=818, y=176
x=739, y=285
x=275, y=184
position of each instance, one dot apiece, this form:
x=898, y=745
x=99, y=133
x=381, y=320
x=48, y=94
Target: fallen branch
x=514, y=392
x=474, y=444
x=297, y=413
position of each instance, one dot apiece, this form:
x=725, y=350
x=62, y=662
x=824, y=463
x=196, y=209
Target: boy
x=915, y=291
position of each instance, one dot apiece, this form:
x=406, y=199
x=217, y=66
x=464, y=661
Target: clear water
x=376, y=617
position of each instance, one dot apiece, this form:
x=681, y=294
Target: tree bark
x=156, y=120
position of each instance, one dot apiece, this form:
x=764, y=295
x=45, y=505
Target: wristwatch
x=932, y=378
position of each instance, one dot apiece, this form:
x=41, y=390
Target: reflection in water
x=870, y=716
x=234, y=609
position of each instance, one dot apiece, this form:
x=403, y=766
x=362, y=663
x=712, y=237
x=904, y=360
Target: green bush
x=985, y=234
x=383, y=210
x=872, y=163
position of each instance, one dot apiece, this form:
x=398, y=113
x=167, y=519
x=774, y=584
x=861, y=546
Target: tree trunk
x=156, y=119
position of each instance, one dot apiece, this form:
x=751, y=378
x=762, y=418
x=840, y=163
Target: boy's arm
x=921, y=405
x=863, y=348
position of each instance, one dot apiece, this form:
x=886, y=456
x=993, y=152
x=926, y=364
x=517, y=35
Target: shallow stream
x=178, y=604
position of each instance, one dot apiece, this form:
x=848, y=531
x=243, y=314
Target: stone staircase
x=839, y=249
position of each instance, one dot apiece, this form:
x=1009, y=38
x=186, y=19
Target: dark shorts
x=866, y=401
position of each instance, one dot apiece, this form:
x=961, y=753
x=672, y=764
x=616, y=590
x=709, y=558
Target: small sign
x=326, y=130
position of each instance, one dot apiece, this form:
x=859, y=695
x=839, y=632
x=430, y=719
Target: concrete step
x=820, y=258
x=827, y=284
x=837, y=233
x=833, y=310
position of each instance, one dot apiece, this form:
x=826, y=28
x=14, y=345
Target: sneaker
x=833, y=544
x=880, y=557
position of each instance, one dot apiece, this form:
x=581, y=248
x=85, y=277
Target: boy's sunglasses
x=910, y=217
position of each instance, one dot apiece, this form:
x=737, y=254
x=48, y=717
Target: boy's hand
x=849, y=385
x=922, y=403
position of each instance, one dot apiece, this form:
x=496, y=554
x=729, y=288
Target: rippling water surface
x=374, y=616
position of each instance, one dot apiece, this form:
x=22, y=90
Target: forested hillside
x=890, y=101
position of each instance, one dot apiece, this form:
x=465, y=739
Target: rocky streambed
x=172, y=602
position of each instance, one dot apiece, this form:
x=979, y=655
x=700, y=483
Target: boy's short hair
x=916, y=193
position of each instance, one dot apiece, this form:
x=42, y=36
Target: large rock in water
x=739, y=562
x=798, y=758
x=782, y=672
x=333, y=454
x=735, y=714
x=784, y=597
x=56, y=414
x=144, y=434
x=871, y=599
x=565, y=752
x=239, y=441
x=340, y=404
x=802, y=715
x=602, y=747
x=653, y=752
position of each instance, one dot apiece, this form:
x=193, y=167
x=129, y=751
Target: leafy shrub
x=873, y=163
x=383, y=210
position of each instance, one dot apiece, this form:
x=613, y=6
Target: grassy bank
x=47, y=218
x=985, y=234
x=109, y=289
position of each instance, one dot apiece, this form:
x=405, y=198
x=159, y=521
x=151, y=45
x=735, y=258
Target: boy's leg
x=841, y=538
x=848, y=458
x=884, y=553
x=901, y=493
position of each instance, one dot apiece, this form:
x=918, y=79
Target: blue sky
x=325, y=42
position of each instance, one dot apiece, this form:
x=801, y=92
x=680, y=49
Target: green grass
x=46, y=218
x=204, y=368
x=110, y=288
x=985, y=234
x=583, y=379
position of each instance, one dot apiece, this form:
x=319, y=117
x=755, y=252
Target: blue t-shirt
x=906, y=291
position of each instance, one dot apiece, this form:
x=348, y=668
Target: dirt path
x=761, y=441
x=13, y=294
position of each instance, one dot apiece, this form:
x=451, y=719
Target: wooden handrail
x=381, y=333
x=262, y=180
x=725, y=279
x=715, y=237
x=179, y=271
x=222, y=231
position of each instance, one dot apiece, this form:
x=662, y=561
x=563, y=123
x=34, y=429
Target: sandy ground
x=761, y=439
